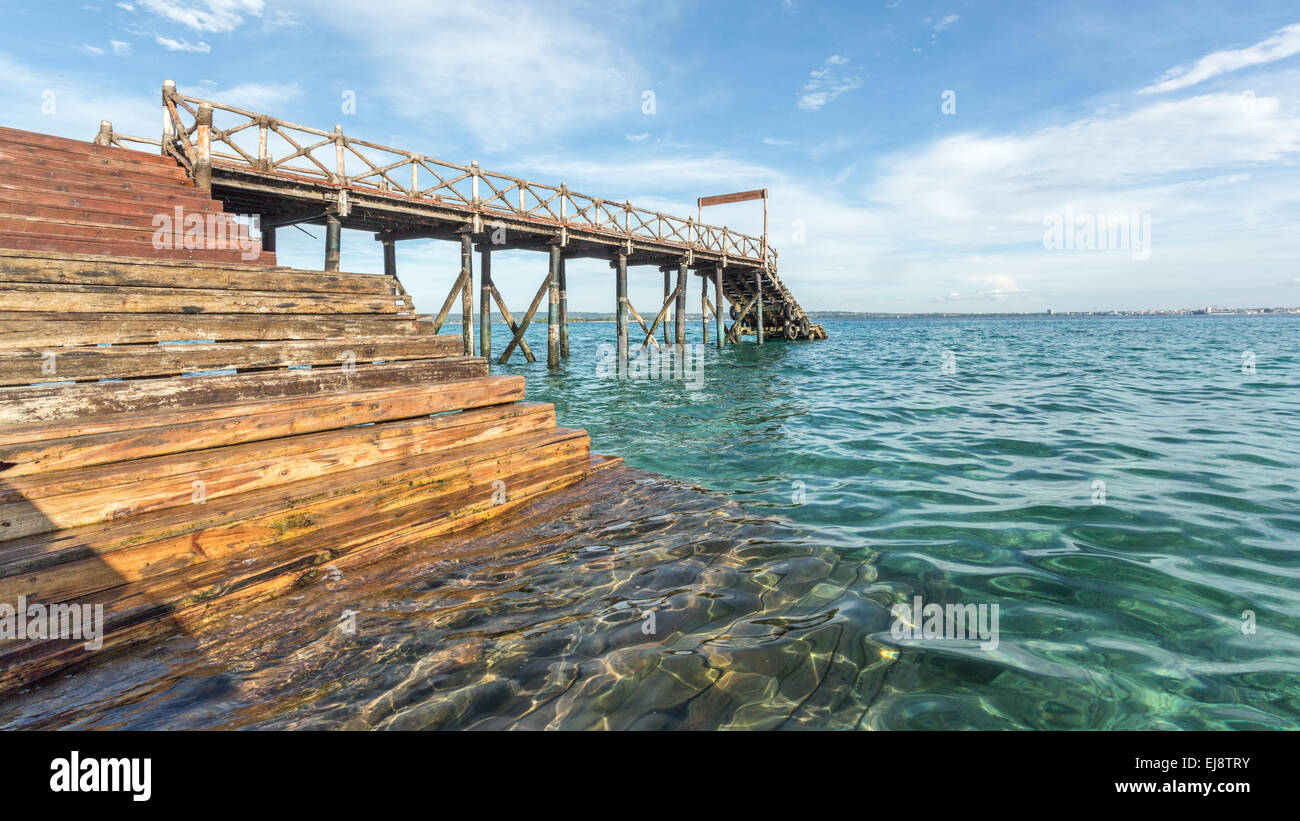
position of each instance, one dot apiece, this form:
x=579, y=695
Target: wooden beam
x=510, y=323
x=528, y=318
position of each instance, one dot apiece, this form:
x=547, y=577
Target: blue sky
x=1186, y=114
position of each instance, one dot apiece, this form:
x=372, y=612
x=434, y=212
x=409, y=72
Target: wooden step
x=51, y=331
x=60, y=565
x=20, y=152
x=95, y=299
x=18, y=138
x=46, y=502
x=48, y=403
x=50, y=446
x=144, y=218
x=129, y=204
x=39, y=242
x=77, y=170
x=105, y=187
x=30, y=367
x=222, y=234
x=164, y=274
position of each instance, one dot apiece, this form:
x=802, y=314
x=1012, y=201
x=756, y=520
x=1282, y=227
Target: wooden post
x=717, y=308
x=704, y=310
x=758, y=277
x=467, y=292
x=679, y=314
x=268, y=239
x=203, y=148
x=485, y=303
x=333, y=240
x=564, y=311
x=553, y=312
x=621, y=291
x=390, y=257
x=668, y=290
x=169, y=127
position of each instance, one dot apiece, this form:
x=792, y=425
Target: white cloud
x=120, y=47
x=826, y=83
x=776, y=141
x=505, y=71
x=93, y=51
x=217, y=16
x=637, y=138
x=182, y=45
x=946, y=22
x=1284, y=43
x=126, y=7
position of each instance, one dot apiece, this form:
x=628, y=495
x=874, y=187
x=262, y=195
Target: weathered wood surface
x=134, y=615
x=96, y=299
x=25, y=367
x=43, y=503
x=55, y=402
x=46, y=330
x=163, y=274
x=350, y=430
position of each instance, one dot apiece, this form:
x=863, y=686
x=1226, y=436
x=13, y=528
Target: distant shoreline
x=817, y=315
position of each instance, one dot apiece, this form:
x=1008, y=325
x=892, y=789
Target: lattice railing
x=198, y=131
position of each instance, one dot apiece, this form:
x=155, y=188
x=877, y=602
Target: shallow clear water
x=841, y=477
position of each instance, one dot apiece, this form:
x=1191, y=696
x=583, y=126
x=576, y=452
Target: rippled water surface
x=1119, y=487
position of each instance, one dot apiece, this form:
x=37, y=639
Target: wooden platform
x=181, y=434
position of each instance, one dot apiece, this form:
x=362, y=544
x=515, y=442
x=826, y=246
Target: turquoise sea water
x=979, y=487
x=1120, y=488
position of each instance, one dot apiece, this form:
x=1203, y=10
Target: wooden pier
x=185, y=428
x=293, y=174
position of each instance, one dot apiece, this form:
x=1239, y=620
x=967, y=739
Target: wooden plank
x=187, y=199
x=52, y=331
x=25, y=405
x=28, y=367
x=259, y=519
x=46, y=502
x=142, y=610
x=98, y=299
x=76, y=171
x=22, y=178
x=44, y=243
x=45, y=447
x=740, y=196
x=163, y=274
x=17, y=137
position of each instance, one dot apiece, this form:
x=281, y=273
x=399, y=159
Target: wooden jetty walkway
x=184, y=428
x=292, y=174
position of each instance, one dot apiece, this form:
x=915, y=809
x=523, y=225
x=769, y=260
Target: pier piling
x=467, y=292
x=485, y=302
x=717, y=308
x=333, y=238
x=553, y=310
x=620, y=288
